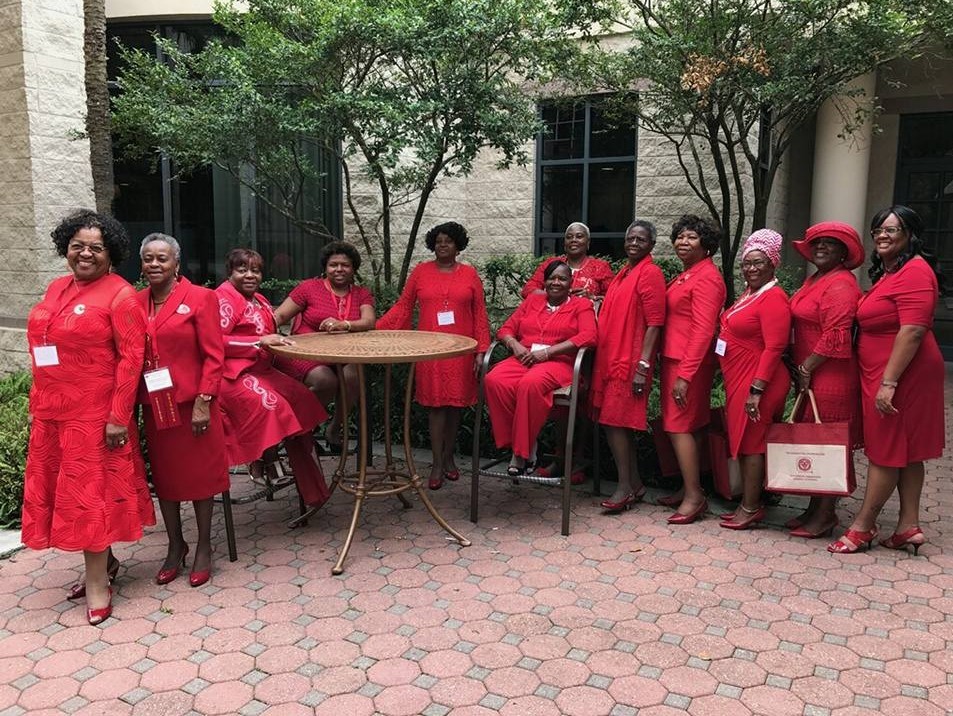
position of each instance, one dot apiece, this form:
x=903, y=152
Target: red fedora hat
x=844, y=233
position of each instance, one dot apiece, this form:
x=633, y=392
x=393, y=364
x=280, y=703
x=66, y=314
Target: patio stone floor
x=625, y=616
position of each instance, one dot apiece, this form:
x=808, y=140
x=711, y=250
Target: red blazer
x=242, y=323
x=693, y=302
x=531, y=323
x=185, y=338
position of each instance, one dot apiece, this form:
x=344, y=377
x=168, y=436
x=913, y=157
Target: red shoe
x=807, y=534
x=794, y=523
x=98, y=616
x=78, y=590
x=679, y=519
x=753, y=518
x=853, y=541
x=669, y=501
x=164, y=576
x=452, y=475
x=899, y=540
x=623, y=504
x=579, y=477
x=435, y=483
x=197, y=579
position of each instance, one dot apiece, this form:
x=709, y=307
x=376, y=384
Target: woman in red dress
x=329, y=303
x=693, y=301
x=262, y=405
x=822, y=314
x=754, y=334
x=544, y=333
x=449, y=295
x=901, y=379
x=590, y=276
x=85, y=484
x=630, y=324
x=184, y=360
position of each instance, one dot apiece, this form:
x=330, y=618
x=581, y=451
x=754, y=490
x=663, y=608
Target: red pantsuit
x=519, y=398
x=634, y=302
x=262, y=405
x=822, y=314
x=456, y=295
x=594, y=276
x=756, y=331
x=693, y=301
x=184, y=337
x=77, y=493
x=916, y=432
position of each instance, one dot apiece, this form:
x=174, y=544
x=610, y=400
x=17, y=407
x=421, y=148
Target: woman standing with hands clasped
x=901, y=379
x=754, y=334
x=629, y=328
x=450, y=297
x=185, y=357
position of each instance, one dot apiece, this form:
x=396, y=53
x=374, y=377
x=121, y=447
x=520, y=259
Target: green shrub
x=14, y=435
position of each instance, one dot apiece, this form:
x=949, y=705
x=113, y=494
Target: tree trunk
x=97, y=104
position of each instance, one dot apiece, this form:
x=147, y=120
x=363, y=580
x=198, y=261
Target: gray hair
x=165, y=238
x=579, y=223
x=644, y=224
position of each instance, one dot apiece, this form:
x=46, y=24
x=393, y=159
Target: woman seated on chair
x=262, y=405
x=182, y=375
x=544, y=333
x=330, y=303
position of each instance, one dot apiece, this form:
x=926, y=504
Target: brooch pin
x=183, y=309
x=79, y=309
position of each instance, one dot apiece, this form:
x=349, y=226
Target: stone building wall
x=44, y=171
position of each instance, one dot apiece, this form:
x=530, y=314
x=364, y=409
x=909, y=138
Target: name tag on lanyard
x=45, y=356
x=158, y=379
x=720, y=347
x=445, y=318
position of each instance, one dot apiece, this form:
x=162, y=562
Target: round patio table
x=377, y=348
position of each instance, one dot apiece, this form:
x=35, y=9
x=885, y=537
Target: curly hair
x=115, y=238
x=642, y=223
x=913, y=225
x=339, y=247
x=164, y=238
x=455, y=231
x=707, y=231
x=242, y=257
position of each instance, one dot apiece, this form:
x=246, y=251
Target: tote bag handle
x=797, y=404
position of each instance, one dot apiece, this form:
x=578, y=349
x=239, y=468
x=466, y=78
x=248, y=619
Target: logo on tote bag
x=804, y=464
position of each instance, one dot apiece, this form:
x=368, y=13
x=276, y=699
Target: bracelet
x=803, y=370
x=348, y=324
x=205, y=397
x=644, y=364
x=889, y=383
x=547, y=353
x=755, y=390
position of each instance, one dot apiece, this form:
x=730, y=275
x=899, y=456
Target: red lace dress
x=635, y=300
x=449, y=382
x=77, y=493
x=822, y=313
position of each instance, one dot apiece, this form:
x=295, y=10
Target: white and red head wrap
x=767, y=241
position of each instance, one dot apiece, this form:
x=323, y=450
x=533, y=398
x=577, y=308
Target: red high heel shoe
x=899, y=540
x=807, y=534
x=679, y=519
x=753, y=517
x=452, y=475
x=623, y=504
x=853, y=541
x=98, y=616
x=78, y=590
x=197, y=579
x=164, y=576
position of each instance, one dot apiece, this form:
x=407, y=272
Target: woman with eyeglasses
x=901, y=379
x=630, y=326
x=85, y=484
x=754, y=334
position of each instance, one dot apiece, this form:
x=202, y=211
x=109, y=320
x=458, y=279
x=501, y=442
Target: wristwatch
x=205, y=397
x=644, y=364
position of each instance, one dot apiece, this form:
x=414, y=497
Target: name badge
x=720, y=346
x=44, y=356
x=445, y=318
x=159, y=379
x=538, y=347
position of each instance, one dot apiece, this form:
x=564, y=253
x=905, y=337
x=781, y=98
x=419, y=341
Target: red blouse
x=533, y=323
x=594, y=275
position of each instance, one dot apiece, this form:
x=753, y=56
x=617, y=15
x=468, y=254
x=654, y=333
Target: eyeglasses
x=755, y=264
x=77, y=247
x=888, y=230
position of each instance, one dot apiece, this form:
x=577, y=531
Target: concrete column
x=842, y=161
x=44, y=168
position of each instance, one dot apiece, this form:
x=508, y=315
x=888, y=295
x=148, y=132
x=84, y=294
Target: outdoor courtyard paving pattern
x=625, y=616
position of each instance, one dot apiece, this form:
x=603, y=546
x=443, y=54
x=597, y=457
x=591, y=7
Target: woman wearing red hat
x=822, y=313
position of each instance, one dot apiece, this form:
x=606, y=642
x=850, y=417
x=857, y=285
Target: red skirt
x=184, y=466
x=696, y=414
x=617, y=406
x=78, y=494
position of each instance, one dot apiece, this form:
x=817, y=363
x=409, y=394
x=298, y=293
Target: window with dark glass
x=585, y=172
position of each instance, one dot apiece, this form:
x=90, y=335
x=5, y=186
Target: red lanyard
x=343, y=305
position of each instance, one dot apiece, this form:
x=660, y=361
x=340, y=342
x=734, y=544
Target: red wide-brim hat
x=844, y=233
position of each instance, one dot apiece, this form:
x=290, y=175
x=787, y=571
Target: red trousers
x=309, y=478
x=520, y=398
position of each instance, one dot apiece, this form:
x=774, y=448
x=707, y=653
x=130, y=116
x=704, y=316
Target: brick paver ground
x=625, y=616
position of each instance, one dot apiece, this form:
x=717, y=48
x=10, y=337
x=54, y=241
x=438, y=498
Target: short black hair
x=242, y=257
x=553, y=265
x=707, y=231
x=339, y=247
x=115, y=238
x=642, y=223
x=455, y=231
